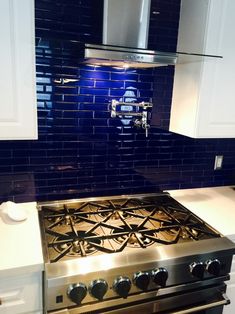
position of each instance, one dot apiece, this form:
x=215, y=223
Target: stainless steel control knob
x=77, y=292
x=141, y=280
x=160, y=276
x=98, y=288
x=197, y=269
x=122, y=286
x=213, y=267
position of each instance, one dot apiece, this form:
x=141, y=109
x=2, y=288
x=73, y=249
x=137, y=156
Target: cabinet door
x=203, y=104
x=21, y=294
x=217, y=103
x=230, y=309
x=18, y=109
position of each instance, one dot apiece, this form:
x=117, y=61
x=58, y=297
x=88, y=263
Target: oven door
x=210, y=307
x=209, y=300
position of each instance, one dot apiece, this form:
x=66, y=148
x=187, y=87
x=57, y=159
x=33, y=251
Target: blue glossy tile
x=86, y=83
x=77, y=98
x=102, y=114
x=61, y=89
x=139, y=85
x=124, y=76
x=92, y=91
x=145, y=93
x=101, y=100
x=109, y=84
x=117, y=92
x=77, y=114
x=147, y=78
x=93, y=106
x=94, y=75
x=81, y=150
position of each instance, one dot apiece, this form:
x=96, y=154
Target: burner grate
x=110, y=226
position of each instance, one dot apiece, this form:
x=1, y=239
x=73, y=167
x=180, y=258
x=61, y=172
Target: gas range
x=120, y=253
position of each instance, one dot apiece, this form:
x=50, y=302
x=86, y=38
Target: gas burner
x=96, y=226
x=65, y=215
x=61, y=220
x=115, y=210
x=115, y=214
x=173, y=235
x=70, y=245
x=185, y=230
x=132, y=236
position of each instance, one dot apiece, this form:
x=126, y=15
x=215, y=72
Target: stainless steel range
x=132, y=254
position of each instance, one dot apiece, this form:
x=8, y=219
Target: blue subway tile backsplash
x=81, y=150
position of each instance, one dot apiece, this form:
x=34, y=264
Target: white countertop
x=20, y=243
x=214, y=205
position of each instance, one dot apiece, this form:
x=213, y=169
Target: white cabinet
x=230, y=309
x=21, y=294
x=203, y=103
x=18, y=109
x=21, y=262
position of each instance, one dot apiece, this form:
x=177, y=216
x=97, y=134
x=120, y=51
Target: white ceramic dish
x=13, y=211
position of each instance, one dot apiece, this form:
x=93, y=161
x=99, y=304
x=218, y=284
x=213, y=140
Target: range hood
x=125, y=37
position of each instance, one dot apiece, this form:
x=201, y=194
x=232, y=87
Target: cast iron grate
x=110, y=226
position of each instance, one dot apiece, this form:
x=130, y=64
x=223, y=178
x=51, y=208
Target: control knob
x=77, y=292
x=98, y=288
x=122, y=286
x=160, y=276
x=213, y=267
x=141, y=280
x=197, y=269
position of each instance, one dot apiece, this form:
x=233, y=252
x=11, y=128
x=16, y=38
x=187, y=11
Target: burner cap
x=116, y=210
x=73, y=246
x=132, y=235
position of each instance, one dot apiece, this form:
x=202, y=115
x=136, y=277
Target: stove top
x=80, y=228
x=109, y=252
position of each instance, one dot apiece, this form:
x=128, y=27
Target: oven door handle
x=225, y=301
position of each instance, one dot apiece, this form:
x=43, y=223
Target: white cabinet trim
x=18, y=106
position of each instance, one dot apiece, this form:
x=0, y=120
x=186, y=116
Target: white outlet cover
x=218, y=162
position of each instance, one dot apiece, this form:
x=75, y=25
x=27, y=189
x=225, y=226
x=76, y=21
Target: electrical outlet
x=218, y=162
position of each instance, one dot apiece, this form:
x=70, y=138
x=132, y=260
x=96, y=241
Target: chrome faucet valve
x=143, y=116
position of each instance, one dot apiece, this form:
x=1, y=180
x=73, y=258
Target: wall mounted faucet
x=142, y=116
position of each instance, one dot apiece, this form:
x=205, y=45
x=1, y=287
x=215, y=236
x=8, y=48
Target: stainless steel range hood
x=127, y=57
x=125, y=37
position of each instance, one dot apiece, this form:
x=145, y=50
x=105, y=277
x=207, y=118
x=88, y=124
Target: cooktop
x=79, y=228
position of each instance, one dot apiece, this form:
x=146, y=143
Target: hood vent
x=125, y=37
x=104, y=55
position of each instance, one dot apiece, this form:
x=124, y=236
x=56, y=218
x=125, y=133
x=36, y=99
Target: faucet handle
x=146, y=128
x=138, y=123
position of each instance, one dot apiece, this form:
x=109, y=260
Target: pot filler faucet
x=126, y=110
